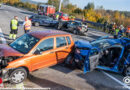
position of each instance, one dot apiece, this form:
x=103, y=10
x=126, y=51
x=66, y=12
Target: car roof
x=46, y=33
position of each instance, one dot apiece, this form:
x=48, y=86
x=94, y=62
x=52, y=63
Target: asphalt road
x=60, y=77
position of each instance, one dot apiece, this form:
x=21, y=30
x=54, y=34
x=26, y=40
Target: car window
x=93, y=52
x=60, y=42
x=68, y=39
x=24, y=43
x=47, y=44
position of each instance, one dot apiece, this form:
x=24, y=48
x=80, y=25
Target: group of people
x=117, y=31
x=14, y=26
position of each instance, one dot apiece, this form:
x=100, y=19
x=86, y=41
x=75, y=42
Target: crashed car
x=76, y=27
x=32, y=51
x=38, y=20
x=105, y=53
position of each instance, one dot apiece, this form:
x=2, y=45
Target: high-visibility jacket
x=14, y=24
x=128, y=30
x=116, y=31
x=27, y=25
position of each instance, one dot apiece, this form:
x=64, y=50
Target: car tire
x=126, y=71
x=17, y=75
x=36, y=24
x=75, y=32
x=69, y=61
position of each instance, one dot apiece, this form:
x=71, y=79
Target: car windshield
x=24, y=43
x=100, y=44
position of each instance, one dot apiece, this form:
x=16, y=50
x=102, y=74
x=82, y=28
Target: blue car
x=104, y=53
x=38, y=20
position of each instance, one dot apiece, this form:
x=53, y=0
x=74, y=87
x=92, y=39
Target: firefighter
x=14, y=28
x=121, y=31
x=114, y=28
x=110, y=28
x=57, y=16
x=105, y=26
x=116, y=32
x=128, y=31
x=27, y=25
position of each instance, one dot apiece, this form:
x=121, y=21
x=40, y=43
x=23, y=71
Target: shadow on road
x=96, y=84
x=47, y=84
x=62, y=68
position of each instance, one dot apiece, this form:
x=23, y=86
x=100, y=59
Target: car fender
x=22, y=62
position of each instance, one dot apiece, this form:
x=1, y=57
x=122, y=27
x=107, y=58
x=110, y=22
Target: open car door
x=92, y=60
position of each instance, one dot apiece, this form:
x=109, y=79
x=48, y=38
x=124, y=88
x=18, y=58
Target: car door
x=91, y=60
x=62, y=49
x=46, y=56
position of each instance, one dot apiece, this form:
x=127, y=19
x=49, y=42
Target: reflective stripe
x=28, y=25
x=14, y=24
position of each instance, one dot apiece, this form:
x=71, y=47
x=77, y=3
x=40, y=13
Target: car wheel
x=126, y=71
x=69, y=61
x=36, y=24
x=75, y=32
x=17, y=76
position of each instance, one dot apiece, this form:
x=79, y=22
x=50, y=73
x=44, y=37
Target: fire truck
x=46, y=9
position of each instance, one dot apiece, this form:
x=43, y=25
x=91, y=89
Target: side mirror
x=37, y=52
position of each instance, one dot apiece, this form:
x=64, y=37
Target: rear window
x=60, y=42
x=68, y=39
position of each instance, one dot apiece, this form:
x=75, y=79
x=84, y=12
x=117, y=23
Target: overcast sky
x=122, y=5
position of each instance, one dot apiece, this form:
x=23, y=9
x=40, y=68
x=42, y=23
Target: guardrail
x=92, y=23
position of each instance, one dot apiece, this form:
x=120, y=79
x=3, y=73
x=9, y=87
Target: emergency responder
x=114, y=28
x=14, y=28
x=110, y=28
x=57, y=16
x=128, y=31
x=27, y=25
x=105, y=26
x=116, y=32
x=121, y=31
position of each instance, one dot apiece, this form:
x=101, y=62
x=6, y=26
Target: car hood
x=6, y=50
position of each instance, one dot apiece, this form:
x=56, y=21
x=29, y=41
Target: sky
x=121, y=5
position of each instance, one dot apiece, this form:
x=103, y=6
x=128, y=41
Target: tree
x=90, y=6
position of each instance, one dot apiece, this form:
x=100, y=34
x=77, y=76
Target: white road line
x=2, y=37
x=123, y=84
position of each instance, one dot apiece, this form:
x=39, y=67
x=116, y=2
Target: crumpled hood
x=6, y=50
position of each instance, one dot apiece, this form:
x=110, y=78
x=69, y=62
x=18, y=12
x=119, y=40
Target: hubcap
x=75, y=32
x=128, y=71
x=18, y=77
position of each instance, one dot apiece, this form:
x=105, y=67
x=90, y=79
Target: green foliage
x=90, y=6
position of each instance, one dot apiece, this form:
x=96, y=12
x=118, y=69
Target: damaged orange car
x=33, y=51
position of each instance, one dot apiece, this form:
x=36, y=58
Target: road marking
x=2, y=37
x=123, y=84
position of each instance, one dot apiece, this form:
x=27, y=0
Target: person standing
x=14, y=28
x=27, y=25
x=105, y=26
